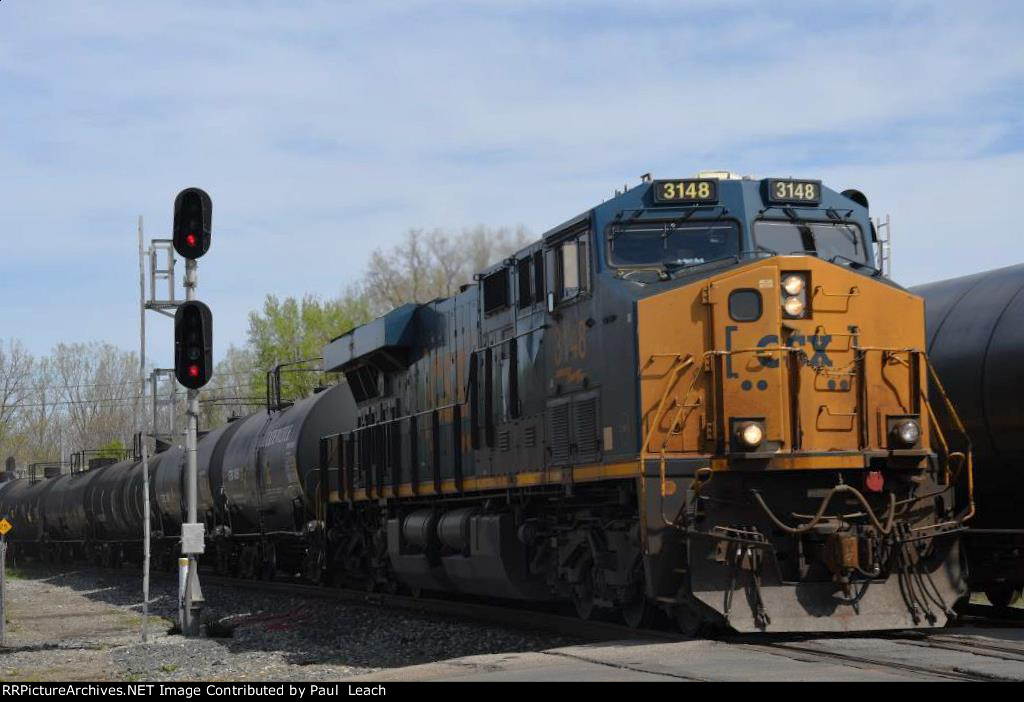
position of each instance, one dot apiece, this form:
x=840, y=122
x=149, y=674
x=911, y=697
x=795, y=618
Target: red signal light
x=190, y=239
x=193, y=371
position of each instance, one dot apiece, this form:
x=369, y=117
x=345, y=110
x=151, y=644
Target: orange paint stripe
x=553, y=476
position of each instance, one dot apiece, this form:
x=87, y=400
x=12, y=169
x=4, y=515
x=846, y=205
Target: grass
x=168, y=667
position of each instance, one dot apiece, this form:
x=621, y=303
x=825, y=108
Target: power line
x=135, y=383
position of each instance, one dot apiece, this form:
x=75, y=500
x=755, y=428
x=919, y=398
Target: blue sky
x=326, y=129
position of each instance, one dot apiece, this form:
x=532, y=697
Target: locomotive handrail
x=820, y=290
x=969, y=453
x=679, y=367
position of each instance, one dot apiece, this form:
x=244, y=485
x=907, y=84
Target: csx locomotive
x=698, y=399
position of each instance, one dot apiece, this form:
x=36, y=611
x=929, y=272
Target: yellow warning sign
x=5, y=526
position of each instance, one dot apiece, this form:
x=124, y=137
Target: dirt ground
x=57, y=633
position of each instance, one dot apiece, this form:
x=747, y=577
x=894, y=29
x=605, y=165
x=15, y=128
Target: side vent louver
x=585, y=416
x=530, y=437
x=558, y=433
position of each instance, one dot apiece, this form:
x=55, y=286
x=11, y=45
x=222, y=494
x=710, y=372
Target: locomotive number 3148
x=697, y=190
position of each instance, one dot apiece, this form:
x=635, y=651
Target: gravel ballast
x=84, y=625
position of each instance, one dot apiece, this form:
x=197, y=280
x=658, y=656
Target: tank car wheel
x=313, y=566
x=223, y=563
x=1002, y=595
x=268, y=565
x=248, y=560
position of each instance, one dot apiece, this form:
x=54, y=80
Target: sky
x=326, y=129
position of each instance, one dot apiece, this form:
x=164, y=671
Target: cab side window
x=571, y=266
x=525, y=284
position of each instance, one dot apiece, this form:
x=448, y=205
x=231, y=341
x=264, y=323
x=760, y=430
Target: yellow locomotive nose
x=792, y=364
x=798, y=352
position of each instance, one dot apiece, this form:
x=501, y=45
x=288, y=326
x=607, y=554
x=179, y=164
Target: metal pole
x=145, y=448
x=193, y=595
x=3, y=590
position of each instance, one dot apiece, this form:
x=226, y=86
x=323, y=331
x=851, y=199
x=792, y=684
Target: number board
x=687, y=191
x=782, y=190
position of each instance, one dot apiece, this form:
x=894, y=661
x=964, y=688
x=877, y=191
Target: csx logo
x=818, y=343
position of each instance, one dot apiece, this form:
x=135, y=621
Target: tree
x=424, y=266
x=290, y=331
x=428, y=265
x=97, y=386
x=16, y=386
x=233, y=390
x=111, y=449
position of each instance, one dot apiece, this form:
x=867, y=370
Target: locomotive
x=976, y=337
x=697, y=399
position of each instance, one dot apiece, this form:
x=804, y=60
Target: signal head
x=193, y=212
x=193, y=344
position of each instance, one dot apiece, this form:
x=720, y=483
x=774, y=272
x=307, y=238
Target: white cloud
x=325, y=129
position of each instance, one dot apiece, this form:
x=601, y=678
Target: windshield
x=828, y=240
x=672, y=244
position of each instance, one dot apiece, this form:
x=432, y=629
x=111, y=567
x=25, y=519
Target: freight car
x=254, y=478
x=976, y=340
x=698, y=399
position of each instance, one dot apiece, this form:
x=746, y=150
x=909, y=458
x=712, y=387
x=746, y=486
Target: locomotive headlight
x=794, y=284
x=907, y=433
x=750, y=434
x=793, y=306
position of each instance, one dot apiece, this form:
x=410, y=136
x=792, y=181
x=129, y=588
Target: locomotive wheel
x=1002, y=595
x=689, y=617
x=638, y=614
x=582, y=592
x=637, y=610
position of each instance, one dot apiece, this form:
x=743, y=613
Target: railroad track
x=966, y=644
x=514, y=617
x=808, y=650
